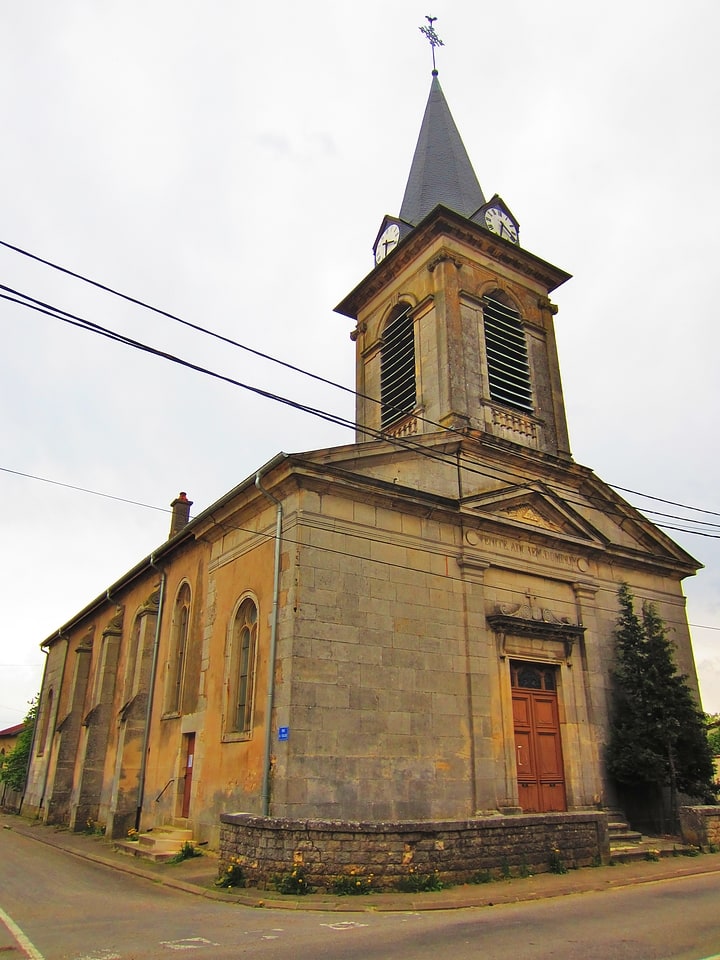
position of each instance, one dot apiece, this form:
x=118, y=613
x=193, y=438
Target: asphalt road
x=54, y=906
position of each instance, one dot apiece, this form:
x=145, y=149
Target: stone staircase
x=159, y=844
x=627, y=844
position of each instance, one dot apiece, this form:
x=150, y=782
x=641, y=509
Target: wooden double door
x=538, y=747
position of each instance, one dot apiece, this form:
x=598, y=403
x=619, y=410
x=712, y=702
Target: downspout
x=265, y=796
x=148, y=711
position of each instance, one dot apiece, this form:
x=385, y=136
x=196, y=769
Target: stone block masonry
x=454, y=849
x=700, y=826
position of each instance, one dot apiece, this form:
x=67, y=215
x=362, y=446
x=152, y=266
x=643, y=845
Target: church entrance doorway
x=538, y=748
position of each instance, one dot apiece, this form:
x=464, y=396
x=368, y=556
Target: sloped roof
x=12, y=731
x=441, y=171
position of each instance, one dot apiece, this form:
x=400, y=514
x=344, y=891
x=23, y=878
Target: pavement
x=197, y=876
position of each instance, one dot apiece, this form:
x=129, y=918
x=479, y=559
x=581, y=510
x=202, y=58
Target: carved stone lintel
x=545, y=303
x=443, y=258
x=115, y=625
x=359, y=329
x=90, y=715
x=152, y=604
x=540, y=623
x=86, y=644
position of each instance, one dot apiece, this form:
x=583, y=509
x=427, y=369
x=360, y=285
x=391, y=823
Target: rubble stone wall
x=456, y=850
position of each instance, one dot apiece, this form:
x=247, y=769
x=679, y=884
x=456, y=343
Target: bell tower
x=454, y=322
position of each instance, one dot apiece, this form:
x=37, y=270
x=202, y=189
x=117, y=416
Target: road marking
x=189, y=943
x=30, y=949
x=103, y=955
x=351, y=925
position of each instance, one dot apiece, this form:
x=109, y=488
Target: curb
x=539, y=887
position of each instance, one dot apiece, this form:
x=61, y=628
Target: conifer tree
x=657, y=736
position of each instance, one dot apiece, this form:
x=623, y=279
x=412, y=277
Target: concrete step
x=648, y=848
x=160, y=843
x=625, y=836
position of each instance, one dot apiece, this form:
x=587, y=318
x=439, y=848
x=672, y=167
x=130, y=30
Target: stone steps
x=158, y=844
x=627, y=844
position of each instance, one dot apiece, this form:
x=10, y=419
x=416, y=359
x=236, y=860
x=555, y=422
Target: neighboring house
x=418, y=625
x=8, y=739
x=9, y=799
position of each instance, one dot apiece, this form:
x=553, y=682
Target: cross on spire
x=433, y=38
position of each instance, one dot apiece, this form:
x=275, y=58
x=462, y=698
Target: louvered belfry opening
x=397, y=367
x=507, y=355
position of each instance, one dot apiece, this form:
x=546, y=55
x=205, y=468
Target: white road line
x=25, y=943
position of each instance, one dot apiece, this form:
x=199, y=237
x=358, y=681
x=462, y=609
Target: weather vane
x=434, y=39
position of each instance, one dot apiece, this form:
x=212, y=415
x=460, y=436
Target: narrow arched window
x=242, y=678
x=178, y=650
x=397, y=366
x=46, y=711
x=507, y=355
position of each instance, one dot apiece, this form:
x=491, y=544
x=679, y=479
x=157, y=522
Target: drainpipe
x=265, y=796
x=148, y=712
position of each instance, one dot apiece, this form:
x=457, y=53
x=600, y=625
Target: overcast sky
x=230, y=163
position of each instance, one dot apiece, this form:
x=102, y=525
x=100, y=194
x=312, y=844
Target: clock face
x=387, y=242
x=501, y=224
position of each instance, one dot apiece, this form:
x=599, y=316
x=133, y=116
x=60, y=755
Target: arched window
x=397, y=366
x=178, y=650
x=45, y=722
x=507, y=355
x=243, y=645
x=531, y=677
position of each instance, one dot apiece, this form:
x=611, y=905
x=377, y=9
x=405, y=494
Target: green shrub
x=352, y=885
x=416, y=882
x=293, y=883
x=232, y=876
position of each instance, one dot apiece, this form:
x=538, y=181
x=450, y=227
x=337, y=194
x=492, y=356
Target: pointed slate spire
x=441, y=171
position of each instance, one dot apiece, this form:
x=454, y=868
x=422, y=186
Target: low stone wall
x=700, y=826
x=455, y=849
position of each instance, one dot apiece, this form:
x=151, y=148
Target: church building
x=417, y=626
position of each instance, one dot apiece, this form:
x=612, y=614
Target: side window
x=397, y=366
x=45, y=722
x=178, y=650
x=507, y=355
x=243, y=649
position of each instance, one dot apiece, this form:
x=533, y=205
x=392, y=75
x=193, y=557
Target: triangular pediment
x=533, y=507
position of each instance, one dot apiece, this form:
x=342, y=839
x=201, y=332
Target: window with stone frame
x=506, y=354
x=178, y=650
x=242, y=665
x=44, y=722
x=397, y=366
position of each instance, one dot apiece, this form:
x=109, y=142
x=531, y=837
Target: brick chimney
x=180, y=513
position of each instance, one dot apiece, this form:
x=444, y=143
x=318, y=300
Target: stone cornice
x=442, y=222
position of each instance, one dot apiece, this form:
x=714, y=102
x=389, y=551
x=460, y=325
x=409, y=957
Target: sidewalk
x=198, y=875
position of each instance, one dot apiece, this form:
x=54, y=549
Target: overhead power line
x=407, y=443
x=315, y=411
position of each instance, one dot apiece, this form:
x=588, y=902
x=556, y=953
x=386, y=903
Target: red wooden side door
x=189, y=759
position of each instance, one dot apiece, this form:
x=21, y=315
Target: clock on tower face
x=387, y=242
x=500, y=223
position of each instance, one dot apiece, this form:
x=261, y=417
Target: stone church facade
x=417, y=626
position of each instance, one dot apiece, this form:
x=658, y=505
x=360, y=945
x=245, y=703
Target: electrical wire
x=14, y=296
x=204, y=330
